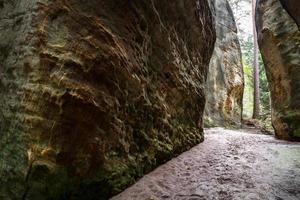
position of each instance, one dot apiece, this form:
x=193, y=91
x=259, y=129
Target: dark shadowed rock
x=279, y=41
x=293, y=8
x=94, y=94
x=225, y=81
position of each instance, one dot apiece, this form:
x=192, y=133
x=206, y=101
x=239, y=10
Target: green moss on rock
x=296, y=133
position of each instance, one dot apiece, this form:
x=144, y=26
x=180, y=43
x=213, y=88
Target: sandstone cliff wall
x=225, y=81
x=279, y=41
x=94, y=94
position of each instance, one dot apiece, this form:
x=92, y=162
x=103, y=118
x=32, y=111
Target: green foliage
x=264, y=92
x=247, y=51
x=243, y=14
x=248, y=91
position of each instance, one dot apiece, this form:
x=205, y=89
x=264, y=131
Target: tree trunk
x=256, y=95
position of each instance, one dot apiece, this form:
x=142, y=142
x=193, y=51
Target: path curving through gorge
x=227, y=165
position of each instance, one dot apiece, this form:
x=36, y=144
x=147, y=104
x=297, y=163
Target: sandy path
x=227, y=165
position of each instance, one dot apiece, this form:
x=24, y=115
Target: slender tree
x=256, y=95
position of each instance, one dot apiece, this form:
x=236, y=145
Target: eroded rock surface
x=93, y=94
x=225, y=82
x=279, y=41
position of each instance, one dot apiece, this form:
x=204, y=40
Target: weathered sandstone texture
x=293, y=8
x=279, y=41
x=225, y=82
x=94, y=94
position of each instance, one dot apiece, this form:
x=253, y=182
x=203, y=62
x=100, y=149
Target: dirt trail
x=227, y=165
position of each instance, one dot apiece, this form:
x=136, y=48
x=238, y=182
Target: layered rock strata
x=94, y=94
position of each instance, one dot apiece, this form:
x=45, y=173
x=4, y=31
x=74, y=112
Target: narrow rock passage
x=227, y=165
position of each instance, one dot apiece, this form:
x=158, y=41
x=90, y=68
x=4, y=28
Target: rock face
x=279, y=41
x=225, y=82
x=293, y=8
x=93, y=94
